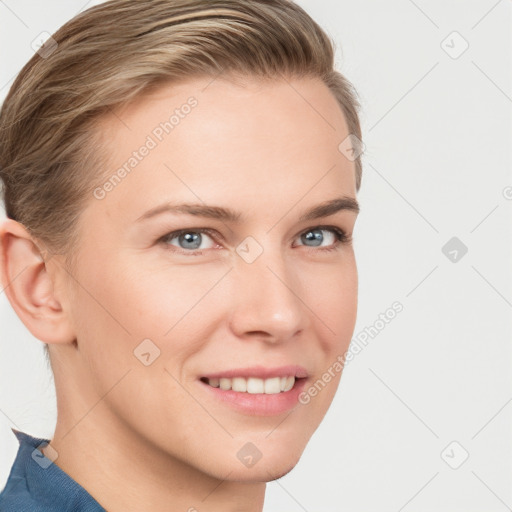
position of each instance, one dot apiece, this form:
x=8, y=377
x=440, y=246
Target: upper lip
x=261, y=372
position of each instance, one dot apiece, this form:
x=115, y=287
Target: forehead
x=217, y=141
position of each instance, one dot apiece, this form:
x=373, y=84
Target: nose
x=267, y=299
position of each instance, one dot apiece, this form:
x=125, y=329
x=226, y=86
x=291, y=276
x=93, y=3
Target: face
x=164, y=295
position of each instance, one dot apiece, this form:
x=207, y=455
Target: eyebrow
x=227, y=214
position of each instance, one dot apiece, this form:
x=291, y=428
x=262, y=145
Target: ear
x=30, y=287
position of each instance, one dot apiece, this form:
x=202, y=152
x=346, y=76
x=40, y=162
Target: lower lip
x=258, y=404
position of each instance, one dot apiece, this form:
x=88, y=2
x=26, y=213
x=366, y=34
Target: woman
x=180, y=182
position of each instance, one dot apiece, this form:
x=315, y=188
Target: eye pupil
x=194, y=239
x=315, y=235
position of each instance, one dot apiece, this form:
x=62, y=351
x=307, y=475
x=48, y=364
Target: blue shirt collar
x=36, y=483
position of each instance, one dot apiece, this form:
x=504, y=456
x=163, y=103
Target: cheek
x=331, y=293
x=125, y=304
x=116, y=308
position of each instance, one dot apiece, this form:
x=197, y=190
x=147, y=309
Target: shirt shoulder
x=36, y=484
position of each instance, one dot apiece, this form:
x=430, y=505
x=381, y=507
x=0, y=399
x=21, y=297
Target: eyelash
x=341, y=239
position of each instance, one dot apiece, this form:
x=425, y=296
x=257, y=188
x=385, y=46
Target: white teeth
x=290, y=381
x=239, y=384
x=254, y=385
x=225, y=384
x=273, y=385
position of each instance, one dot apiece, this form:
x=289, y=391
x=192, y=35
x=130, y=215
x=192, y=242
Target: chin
x=261, y=475
x=282, y=472
x=263, y=471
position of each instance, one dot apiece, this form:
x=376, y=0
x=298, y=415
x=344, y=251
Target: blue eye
x=189, y=240
x=316, y=237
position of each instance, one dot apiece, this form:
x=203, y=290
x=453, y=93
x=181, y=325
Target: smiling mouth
x=254, y=385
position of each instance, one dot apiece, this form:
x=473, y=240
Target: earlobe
x=30, y=286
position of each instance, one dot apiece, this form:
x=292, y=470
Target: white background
x=437, y=165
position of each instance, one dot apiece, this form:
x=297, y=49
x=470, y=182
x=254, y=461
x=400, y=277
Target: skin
x=148, y=437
